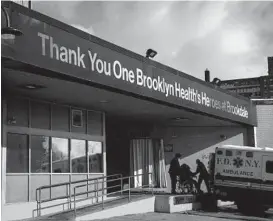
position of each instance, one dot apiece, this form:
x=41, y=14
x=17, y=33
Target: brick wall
x=198, y=142
x=264, y=130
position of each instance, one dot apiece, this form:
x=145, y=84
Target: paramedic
x=212, y=166
x=203, y=175
x=174, y=170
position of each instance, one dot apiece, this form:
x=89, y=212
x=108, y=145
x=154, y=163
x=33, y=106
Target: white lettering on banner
x=61, y=53
x=99, y=65
x=44, y=37
x=136, y=76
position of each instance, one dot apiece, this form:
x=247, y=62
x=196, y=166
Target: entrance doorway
x=147, y=163
x=119, y=134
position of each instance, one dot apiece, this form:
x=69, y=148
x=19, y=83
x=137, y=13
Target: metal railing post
x=102, y=193
x=121, y=185
x=37, y=202
x=96, y=192
x=93, y=192
x=40, y=202
x=67, y=194
x=152, y=183
x=142, y=181
x=70, y=204
x=75, y=201
x=129, y=192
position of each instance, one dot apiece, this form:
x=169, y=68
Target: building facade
x=260, y=91
x=75, y=106
x=253, y=88
x=264, y=129
x=270, y=65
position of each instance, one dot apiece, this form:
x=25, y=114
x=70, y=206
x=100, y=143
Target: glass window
x=95, y=123
x=17, y=112
x=228, y=153
x=60, y=155
x=40, y=154
x=249, y=154
x=219, y=152
x=60, y=118
x=78, y=156
x=17, y=153
x=40, y=115
x=269, y=166
x=95, y=157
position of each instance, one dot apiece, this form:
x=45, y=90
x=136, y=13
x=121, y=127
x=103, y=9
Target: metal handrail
x=68, y=193
x=77, y=181
x=102, y=189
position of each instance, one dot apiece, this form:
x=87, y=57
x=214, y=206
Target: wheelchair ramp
x=138, y=205
x=114, y=207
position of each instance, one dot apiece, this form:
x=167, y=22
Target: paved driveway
x=224, y=214
x=163, y=216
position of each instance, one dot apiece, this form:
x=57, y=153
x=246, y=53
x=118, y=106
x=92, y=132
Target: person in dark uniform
x=174, y=171
x=203, y=175
x=212, y=167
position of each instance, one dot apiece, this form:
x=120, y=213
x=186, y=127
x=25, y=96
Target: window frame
x=85, y=156
x=29, y=131
x=28, y=154
x=249, y=154
x=68, y=156
x=49, y=152
x=101, y=156
x=266, y=166
x=229, y=153
x=80, y=112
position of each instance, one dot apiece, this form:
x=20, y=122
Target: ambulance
x=244, y=175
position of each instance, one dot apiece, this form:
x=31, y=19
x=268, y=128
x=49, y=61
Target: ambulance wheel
x=259, y=210
x=241, y=207
x=245, y=208
x=253, y=209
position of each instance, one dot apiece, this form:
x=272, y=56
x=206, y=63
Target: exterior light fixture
x=9, y=32
x=216, y=81
x=180, y=119
x=31, y=86
x=150, y=53
x=103, y=101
